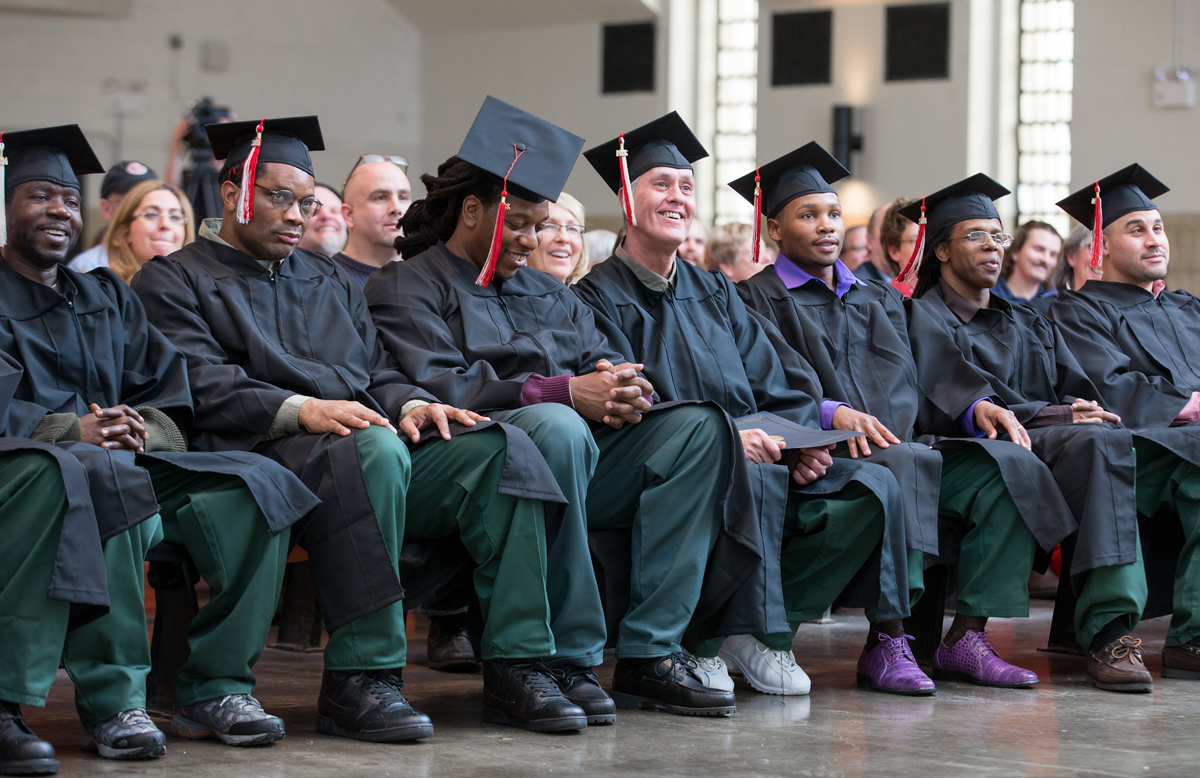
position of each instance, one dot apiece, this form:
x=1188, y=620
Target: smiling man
x=835, y=520
x=1028, y=263
x=284, y=360
x=377, y=195
x=1139, y=344
x=465, y=318
x=889, y=370
x=326, y=230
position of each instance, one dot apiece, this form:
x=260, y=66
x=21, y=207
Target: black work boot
x=368, y=705
x=669, y=683
x=21, y=751
x=523, y=693
x=449, y=645
x=581, y=686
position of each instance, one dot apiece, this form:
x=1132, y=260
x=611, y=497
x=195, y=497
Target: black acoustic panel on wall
x=918, y=42
x=628, y=58
x=801, y=48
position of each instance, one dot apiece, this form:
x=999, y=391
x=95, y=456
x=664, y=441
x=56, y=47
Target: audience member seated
x=562, y=251
x=897, y=236
x=600, y=245
x=326, y=230
x=730, y=248
x=154, y=220
x=855, y=250
x=692, y=248
x=1027, y=264
x=376, y=195
x=119, y=179
x=877, y=267
x=1074, y=267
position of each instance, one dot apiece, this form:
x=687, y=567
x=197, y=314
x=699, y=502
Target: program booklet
x=791, y=435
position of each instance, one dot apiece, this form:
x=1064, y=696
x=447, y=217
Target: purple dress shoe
x=890, y=667
x=972, y=659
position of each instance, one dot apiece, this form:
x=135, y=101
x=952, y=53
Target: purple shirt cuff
x=828, y=408
x=539, y=389
x=966, y=422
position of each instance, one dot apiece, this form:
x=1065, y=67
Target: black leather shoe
x=523, y=693
x=581, y=686
x=368, y=705
x=21, y=751
x=668, y=683
x=449, y=645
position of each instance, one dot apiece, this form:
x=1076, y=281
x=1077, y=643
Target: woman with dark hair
x=466, y=321
x=1027, y=264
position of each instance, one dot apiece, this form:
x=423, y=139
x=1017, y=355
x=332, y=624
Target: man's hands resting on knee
x=342, y=416
x=613, y=394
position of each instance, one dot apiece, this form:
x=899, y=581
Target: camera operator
x=190, y=162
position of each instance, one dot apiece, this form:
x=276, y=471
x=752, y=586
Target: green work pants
x=439, y=489
x=663, y=478
x=216, y=519
x=1108, y=593
x=1165, y=481
x=997, y=550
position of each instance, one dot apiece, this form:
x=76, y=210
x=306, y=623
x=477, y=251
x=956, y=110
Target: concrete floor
x=1063, y=727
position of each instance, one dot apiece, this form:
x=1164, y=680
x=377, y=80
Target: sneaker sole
x=183, y=727
x=1171, y=672
x=562, y=724
x=601, y=719
x=326, y=726
x=1129, y=688
x=865, y=681
x=30, y=767
x=732, y=663
x=634, y=702
x=152, y=751
x=949, y=675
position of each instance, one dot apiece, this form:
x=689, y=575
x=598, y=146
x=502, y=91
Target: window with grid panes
x=737, y=100
x=1044, y=113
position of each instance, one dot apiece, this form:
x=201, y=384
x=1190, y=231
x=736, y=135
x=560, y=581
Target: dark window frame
x=905, y=57
x=628, y=58
x=788, y=69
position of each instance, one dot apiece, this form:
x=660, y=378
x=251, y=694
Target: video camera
x=201, y=112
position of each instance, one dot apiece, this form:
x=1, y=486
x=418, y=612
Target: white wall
x=355, y=63
x=1115, y=122
x=551, y=71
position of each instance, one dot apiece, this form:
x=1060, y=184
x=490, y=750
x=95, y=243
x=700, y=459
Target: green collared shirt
x=210, y=229
x=653, y=281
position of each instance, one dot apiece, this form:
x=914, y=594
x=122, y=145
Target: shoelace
x=386, y=688
x=1128, y=646
x=242, y=703
x=568, y=675
x=710, y=664
x=896, y=649
x=135, y=718
x=784, y=658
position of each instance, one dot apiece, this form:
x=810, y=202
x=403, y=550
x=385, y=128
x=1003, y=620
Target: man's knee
x=706, y=423
x=383, y=452
x=558, y=431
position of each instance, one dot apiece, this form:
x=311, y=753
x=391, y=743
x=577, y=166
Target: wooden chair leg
x=174, y=587
x=925, y=623
x=300, y=616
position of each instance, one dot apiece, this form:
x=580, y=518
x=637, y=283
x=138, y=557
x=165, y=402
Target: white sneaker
x=713, y=673
x=770, y=672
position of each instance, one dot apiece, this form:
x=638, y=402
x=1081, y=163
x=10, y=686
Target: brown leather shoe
x=1118, y=667
x=1181, y=661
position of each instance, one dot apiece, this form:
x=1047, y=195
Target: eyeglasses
x=282, y=199
x=551, y=229
x=980, y=238
x=366, y=159
x=174, y=217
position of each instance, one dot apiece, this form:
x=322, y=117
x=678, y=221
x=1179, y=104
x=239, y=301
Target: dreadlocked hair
x=434, y=218
x=930, y=271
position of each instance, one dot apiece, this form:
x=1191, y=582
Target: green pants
x=663, y=478
x=216, y=519
x=997, y=549
x=32, y=626
x=1108, y=593
x=440, y=489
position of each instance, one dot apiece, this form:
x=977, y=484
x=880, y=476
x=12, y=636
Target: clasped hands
x=614, y=394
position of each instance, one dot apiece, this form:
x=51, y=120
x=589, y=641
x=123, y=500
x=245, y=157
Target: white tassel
x=626, y=186
x=245, y=203
x=3, y=213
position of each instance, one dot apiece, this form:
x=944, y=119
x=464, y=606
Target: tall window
x=1044, y=129
x=737, y=100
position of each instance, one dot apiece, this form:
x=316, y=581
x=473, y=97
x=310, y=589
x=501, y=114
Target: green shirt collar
x=652, y=281
x=210, y=229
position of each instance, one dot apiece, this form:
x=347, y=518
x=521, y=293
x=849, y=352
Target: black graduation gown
x=252, y=340
x=890, y=357
x=1030, y=367
x=699, y=341
x=79, y=575
x=476, y=346
x=92, y=344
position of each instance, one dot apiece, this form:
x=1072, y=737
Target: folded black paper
x=789, y=434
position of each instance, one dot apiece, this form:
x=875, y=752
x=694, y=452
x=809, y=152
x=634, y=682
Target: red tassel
x=3, y=214
x=757, y=216
x=1097, y=228
x=245, y=204
x=626, y=186
x=908, y=275
x=489, y=267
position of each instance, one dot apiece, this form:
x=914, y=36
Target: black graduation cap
x=547, y=152
x=807, y=170
x=286, y=140
x=665, y=142
x=54, y=154
x=970, y=198
x=1129, y=189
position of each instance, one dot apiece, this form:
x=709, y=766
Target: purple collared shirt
x=794, y=276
